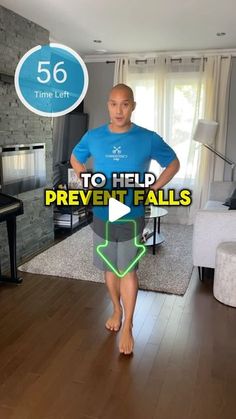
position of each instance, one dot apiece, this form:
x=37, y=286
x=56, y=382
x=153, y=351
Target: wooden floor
x=57, y=360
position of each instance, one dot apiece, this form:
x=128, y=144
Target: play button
x=117, y=209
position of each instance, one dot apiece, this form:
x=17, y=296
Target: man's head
x=120, y=106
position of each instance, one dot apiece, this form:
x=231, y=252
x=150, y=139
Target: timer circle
x=51, y=80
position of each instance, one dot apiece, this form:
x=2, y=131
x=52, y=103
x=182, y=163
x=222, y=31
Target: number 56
x=56, y=70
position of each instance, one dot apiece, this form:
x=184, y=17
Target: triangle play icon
x=117, y=210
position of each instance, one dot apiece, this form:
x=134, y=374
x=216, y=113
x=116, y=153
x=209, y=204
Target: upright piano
x=10, y=208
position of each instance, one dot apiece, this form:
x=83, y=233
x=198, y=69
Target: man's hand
x=166, y=175
x=77, y=166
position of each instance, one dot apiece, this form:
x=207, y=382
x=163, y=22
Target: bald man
x=136, y=146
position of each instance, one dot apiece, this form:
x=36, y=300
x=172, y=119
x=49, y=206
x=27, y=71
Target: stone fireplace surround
x=18, y=125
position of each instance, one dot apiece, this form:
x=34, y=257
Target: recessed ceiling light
x=101, y=50
x=220, y=33
x=97, y=41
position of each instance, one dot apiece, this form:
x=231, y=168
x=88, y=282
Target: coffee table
x=155, y=237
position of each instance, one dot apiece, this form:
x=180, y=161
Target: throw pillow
x=232, y=204
x=229, y=200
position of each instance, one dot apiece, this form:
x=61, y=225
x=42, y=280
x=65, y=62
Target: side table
x=155, y=237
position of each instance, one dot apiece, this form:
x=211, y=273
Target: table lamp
x=205, y=133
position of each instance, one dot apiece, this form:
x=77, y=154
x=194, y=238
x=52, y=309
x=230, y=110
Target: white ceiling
x=129, y=26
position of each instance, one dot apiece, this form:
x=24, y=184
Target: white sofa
x=212, y=225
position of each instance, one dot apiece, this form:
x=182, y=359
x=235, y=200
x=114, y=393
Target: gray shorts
x=120, y=250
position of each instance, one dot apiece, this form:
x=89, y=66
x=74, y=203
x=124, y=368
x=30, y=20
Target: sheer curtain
x=171, y=96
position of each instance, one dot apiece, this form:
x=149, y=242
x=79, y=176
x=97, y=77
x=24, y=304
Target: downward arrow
x=141, y=250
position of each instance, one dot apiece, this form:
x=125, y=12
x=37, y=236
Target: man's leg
x=113, y=285
x=112, y=281
x=128, y=291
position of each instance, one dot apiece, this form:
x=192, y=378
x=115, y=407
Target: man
x=136, y=146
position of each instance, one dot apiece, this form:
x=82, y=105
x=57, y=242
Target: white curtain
x=120, y=71
x=171, y=96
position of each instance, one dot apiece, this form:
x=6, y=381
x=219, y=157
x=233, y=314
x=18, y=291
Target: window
x=175, y=120
x=181, y=99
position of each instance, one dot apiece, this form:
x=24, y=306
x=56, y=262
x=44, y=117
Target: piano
x=10, y=208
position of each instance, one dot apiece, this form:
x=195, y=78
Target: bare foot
x=126, y=343
x=114, y=322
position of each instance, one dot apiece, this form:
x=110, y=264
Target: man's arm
x=166, y=175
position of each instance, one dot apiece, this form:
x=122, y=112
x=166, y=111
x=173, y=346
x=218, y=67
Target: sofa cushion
x=216, y=206
x=219, y=191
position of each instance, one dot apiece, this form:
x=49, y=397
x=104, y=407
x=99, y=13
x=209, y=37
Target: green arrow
x=133, y=262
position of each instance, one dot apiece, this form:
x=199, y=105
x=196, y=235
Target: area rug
x=168, y=271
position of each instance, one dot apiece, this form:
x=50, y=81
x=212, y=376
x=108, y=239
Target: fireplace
x=22, y=167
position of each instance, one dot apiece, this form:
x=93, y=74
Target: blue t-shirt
x=129, y=151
